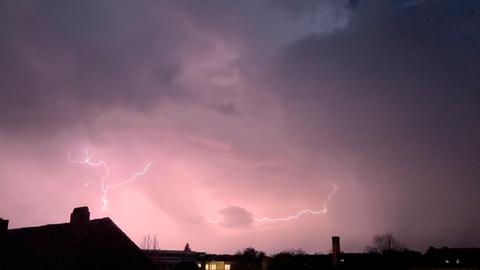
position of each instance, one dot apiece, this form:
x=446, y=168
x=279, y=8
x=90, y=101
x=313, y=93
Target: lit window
x=206, y=266
x=199, y=265
x=227, y=266
x=214, y=266
x=457, y=261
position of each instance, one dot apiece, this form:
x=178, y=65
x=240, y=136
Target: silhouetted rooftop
x=97, y=244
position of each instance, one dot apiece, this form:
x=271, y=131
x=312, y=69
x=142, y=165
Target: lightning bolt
x=297, y=215
x=302, y=212
x=104, y=186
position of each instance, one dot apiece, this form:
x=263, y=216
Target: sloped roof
x=99, y=244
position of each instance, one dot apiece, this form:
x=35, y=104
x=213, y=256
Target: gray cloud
x=66, y=61
x=227, y=109
x=235, y=216
x=395, y=92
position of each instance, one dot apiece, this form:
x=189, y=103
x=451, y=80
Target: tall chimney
x=335, y=250
x=80, y=216
x=3, y=225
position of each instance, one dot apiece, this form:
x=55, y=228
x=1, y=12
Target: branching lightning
x=260, y=220
x=104, y=186
x=302, y=212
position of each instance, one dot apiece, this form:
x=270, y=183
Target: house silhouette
x=80, y=244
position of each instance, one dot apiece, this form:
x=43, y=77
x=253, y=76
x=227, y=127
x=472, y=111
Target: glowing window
x=199, y=265
x=213, y=266
x=227, y=266
x=206, y=266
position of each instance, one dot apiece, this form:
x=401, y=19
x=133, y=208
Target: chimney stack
x=80, y=216
x=3, y=225
x=335, y=250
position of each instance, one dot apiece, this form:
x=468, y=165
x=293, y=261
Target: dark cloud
x=235, y=216
x=65, y=61
x=396, y=92
x=227, y=109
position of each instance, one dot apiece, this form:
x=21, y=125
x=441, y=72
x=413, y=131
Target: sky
x=211, y=115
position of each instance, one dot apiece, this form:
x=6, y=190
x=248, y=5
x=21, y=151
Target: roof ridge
x=60, y=224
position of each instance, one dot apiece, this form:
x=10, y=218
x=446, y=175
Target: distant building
x=169, y=259
x=336, y=251
x=218, y=262
x=80, y=244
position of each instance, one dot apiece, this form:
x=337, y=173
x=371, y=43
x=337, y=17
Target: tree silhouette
x=150, y=242
x=249, y=258
x=290, y=259
x=187, y=248
x=384, y=243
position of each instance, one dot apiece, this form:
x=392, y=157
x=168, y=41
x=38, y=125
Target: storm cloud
x=235, y=216
x=256, y=105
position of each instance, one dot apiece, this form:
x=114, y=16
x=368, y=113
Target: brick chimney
x=335, y=250
x=80, y=216
x=3, y=225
